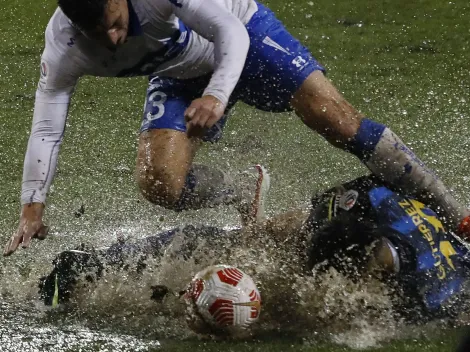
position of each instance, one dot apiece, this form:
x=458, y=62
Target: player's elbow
x=240, y=36
x=246, y=39
x=231, y=31
x=47, y=131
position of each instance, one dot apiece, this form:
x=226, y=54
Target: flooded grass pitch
x=402, y=63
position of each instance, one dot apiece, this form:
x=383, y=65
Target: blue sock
x=364, y=142
x=385, y=154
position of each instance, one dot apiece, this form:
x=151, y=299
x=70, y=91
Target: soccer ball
x=222, y=300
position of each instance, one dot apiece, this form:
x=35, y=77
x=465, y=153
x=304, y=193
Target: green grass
x=434, y=344
x=404, y=63
x=282, y=346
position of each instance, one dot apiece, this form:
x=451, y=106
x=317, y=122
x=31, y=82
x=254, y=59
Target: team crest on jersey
x=348, y=200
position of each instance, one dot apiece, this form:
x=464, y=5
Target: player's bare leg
x=164, y=158
x=167, y=176
x=323, y=109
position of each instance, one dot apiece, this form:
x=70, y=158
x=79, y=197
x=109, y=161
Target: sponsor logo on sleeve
x=348, y=199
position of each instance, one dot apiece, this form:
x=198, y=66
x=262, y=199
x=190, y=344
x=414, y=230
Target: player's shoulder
x=162, y=6
x=62, y=61
x=60, y=34
x=167, y=7
x=60, y=26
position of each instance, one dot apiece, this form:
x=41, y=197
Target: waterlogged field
x=402, y=63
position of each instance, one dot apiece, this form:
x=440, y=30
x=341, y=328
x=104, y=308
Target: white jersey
x=159, y=42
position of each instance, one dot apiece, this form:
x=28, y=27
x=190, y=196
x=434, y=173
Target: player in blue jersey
x=361, y=228
x=412, y=246
x=202, y=56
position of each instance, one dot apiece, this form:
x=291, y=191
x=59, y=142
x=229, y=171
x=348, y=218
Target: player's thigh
x=165, y=152
x=322, y=108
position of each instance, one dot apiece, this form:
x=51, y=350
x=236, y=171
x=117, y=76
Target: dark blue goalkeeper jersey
x=434, y=264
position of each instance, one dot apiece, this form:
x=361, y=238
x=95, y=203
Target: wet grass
x=448, y=344
x=281, y=346
x=402, y=63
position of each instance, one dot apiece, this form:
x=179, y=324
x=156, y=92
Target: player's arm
x=283, y=228
x=53, y=95
x=231, y=43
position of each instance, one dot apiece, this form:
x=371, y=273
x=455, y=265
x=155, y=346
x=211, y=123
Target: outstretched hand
x=31, y=226
x=202, y=114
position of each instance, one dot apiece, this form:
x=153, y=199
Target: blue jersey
x=434, y=263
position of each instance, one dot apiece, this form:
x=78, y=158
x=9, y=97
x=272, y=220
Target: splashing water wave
x=117, y=309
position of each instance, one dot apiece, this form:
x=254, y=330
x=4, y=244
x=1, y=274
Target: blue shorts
x=276, y=65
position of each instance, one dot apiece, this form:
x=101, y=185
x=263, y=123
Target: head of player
x=106, y=21
x=353, y=246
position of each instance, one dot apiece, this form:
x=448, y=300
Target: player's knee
x=336, y=121
x=160, y=188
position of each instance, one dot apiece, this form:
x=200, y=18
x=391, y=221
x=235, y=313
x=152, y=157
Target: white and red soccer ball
x=222, y=299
